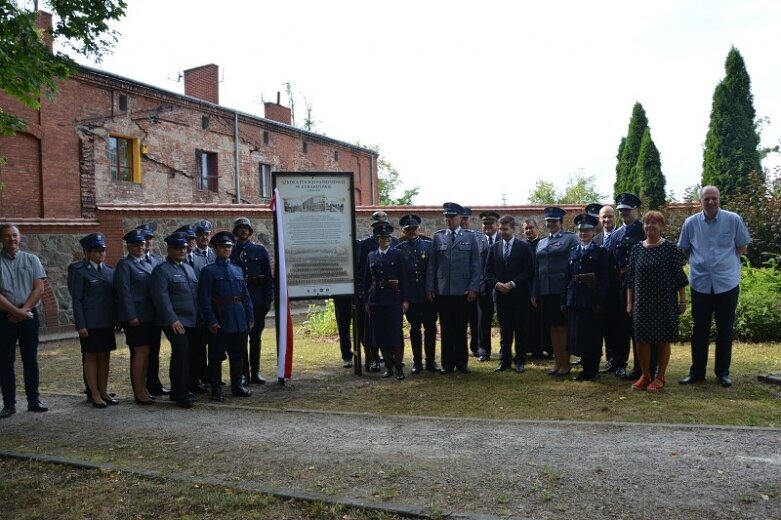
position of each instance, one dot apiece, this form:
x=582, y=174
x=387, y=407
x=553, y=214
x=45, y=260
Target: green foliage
x=320, y=322
x=648, y=174
x=580, y=189
x=544, y=193
x=27, y=68
x=759, y=203
x=629, y=151
x=731, y=145
x=759, y=307
x=388, y=182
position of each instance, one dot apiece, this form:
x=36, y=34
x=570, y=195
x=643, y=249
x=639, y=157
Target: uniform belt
x=256, y=281
x=232, y=299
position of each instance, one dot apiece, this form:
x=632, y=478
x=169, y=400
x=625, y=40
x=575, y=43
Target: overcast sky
x=473, y=101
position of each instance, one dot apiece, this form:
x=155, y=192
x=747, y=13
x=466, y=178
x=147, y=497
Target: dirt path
x=512, y=469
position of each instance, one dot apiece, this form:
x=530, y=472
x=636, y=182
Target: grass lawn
x=320, y=383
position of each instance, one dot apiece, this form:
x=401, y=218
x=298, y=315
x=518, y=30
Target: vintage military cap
x=450, y=209
x=188, y=230
x=408, y=221
x=203, y=226
x=93, y=241
x=489, y=216
x=585, y=221
x=148, y=229
x=627, y=201
x=554, y=213
x=379, y=217
x=593, y=209
x=225, y=238
x=134, y=236
x=467, y=212
x=382, y=229
x=176, y=239
x=242, y=221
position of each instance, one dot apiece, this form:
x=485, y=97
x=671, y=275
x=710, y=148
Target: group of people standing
x=209, y=296
x=624, y=287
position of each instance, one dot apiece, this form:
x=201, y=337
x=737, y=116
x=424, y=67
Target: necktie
x=490, y=240
x=147, y=258
x=607, y=240
x=190, y=258
x=506, y=250
x=453, y=236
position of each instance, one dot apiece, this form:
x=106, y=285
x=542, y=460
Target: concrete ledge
x=774, y=378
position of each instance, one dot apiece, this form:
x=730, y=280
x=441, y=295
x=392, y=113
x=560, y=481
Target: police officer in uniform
x=552, y=264
x=584, y=300
x=416, y=252
x=362, y=321
x=386, y=299
x=174, y=290
x=621, y=244
x=91, y=285
x=452, y=283
x=254, y=262
x=153, y=384
x=226, y=307
x=136, y=311
x=474, y=318
x=197, y=262
x=203, y=230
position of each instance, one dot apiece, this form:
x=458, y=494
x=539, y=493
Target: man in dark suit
x=509, y=269
x=611, y=334
x=452, y=282
x=485, y=298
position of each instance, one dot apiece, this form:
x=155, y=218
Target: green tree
x=544, y=193
x=388, y=182
x=648, y=173
x=27, y=68
x=580, y=190
x=629, y=151
x=732, y=143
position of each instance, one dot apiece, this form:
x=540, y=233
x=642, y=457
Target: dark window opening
x=120, y=153
x=205, y=122
x=123, y=102
x=206, y=175
x=265, y=180
x=306, y=147
x=265, y=137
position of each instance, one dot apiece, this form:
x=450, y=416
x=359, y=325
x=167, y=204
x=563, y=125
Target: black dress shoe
x=417, y=368
x=184, y=403
x=502, y=366
x=257, y=379
x=240, y=391
x=446, y=371
x=157, y=392
x=96, y=404
x=621, y=373
x=111, y=402
x=347, y=364
x=36, y=406
x=432, y=367
x=7, y=411
x=199, y=388
x=690, y=380
x=484, y=358
x=725, y=381
x=399, y=373
x=148, y=402
x=634, y=375
x=218, y=397
x=388, y=372
x=585, y=376
x=464, y=369
x=520, y=368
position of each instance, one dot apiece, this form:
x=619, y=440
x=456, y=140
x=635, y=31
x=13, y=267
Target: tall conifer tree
x=648, y=173
x=731, y=146
x=630, y=151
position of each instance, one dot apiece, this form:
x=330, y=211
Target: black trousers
x=706, y=307
x=513, y=318
x=621, y=322
x=485, y=317
x=611, y=333
x=198, y=357
x=453, y=315
x=474, y=327
x=343, y=312
x=220, y=344
x=539, y=335
x=422, y=314
x=179, y=369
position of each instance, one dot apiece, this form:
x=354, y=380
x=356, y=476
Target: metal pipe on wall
x=236, y=156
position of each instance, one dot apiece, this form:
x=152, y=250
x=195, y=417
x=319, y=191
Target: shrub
x=320, y=322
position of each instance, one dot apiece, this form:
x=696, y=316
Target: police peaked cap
x=593, y=209
x=627, y=201
x=382, y=229
x=134, y=236
x=148, y=229
x=379, y=217
x=188, y=230
x=93, y=241
x=203, y=226
x=585, y=221
x=408, y=221
x=176, y=239
x=554, y=213
x=224, y=238
x=467, y=212
x=451, y=209
x=489, y=216
x=242, y=221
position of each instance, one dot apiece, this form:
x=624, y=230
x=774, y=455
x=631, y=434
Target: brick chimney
x=44, y=22
x=277, y=112
x=203, y=83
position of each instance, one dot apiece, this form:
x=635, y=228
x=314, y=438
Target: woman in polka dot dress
x=656, y=297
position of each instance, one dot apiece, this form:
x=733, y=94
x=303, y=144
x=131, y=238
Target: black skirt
x=551, y=310
x=142, y=335
x=99, y=340
x=386, y=325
